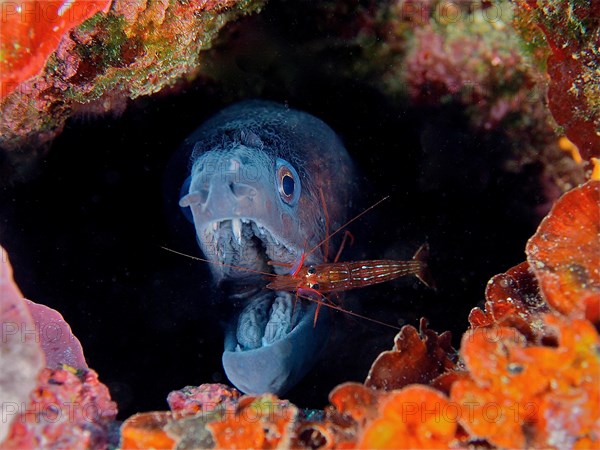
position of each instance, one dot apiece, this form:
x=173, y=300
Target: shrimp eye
x=288, y=182
x=314, y=286
x=311, y=270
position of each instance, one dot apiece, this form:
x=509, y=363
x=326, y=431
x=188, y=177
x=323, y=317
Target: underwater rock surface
x=572, y=32
x=20, y=350
x=129, y=49
x=476, y=156
x=68, y=409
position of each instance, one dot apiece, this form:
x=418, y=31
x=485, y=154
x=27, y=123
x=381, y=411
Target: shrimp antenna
x=345, y=311
x=197, y=258
x=347, y=223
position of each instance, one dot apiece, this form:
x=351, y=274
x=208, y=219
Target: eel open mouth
x=270, y=342
x=242, y=249
x=247, y=244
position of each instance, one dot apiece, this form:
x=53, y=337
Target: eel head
x=254, y=195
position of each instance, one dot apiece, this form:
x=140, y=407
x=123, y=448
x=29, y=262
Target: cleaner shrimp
x=314, y=281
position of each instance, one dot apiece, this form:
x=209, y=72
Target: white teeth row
x=261, y=231
x=236, y=226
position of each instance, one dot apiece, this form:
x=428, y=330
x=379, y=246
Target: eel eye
x=288, y=182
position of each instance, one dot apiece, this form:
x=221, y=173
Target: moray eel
x=256, y=169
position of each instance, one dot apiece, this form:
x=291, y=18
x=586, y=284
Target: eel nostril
x=242, y=190
x=203, y=195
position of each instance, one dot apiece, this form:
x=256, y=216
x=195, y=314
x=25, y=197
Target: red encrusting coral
x=352, y=406
x=32, y=30
x=564, y=253
x=416, y=416
x=146, y=430
x=417, y=357
x=256, y=422
x=513, y=300
x=355, y=400
x=532, y=369
x=521, y=395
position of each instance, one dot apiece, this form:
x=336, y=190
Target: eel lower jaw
x=272, y=342
x=268, y=353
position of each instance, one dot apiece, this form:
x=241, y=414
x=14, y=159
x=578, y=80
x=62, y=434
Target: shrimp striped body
x=343, y=276
x=351, y=275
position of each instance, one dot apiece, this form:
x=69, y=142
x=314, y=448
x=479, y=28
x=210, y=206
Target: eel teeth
x=236, y=226
x=215, y=226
